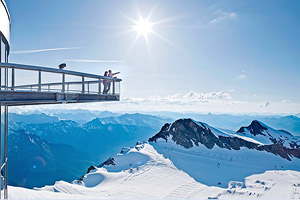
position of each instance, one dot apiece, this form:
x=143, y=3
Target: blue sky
x=219, y=56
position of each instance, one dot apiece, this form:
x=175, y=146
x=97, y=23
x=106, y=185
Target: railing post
x=13, y=78
x=63, y=83
x=99, y=87
x=82, y=85
x=114, y=88
x=6, y=69
x=40, y=81
x=88, y=87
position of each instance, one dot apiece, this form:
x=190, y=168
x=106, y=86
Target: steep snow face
x=267, y=135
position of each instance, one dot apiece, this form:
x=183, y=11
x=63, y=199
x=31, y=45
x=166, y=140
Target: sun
x=143, y=27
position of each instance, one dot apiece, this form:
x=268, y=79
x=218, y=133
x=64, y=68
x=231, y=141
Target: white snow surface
x=165, y=170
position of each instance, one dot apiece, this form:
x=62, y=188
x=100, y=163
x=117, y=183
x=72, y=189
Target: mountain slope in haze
x=97, y=136
x=32, y=118
x=34, y=162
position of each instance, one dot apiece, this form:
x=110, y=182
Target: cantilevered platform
x=89, y=87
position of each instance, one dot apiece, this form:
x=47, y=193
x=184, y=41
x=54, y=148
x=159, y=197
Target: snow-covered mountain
x=189, y=133
x=192, y=160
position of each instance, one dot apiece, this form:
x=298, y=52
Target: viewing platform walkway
x=46, y=85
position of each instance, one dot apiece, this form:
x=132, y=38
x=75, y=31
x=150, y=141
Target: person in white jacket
x=111, y=75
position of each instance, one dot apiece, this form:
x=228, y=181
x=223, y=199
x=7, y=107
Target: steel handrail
x=53, y=70
x=58, y=83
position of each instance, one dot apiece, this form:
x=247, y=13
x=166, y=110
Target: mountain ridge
x=187, y=133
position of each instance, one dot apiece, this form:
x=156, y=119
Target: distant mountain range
x=39, y=138
x=232, y=123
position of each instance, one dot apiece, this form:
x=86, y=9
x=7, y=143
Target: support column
x=0, y=62
x=5, y=151
x=0, y=149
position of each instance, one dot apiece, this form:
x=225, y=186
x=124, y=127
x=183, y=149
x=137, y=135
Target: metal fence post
x=114, y=87
x=40, y=81
x=82, y=85
x=99, y=87
x=63, y=83
x=13, y=79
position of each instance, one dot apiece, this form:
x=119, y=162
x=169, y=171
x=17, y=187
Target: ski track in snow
x=183, y=191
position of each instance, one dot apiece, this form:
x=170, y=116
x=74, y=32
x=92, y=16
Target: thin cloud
x=44, y=50
x=221, y=15
x=266, y=104
x=93, y=61
x=242, y=76
x=191, y=98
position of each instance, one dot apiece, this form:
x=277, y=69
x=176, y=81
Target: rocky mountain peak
x=255, y=128
x=187, y=132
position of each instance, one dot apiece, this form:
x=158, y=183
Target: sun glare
x=143, y=27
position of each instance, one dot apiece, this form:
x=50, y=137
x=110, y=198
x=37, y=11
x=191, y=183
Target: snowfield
x=143, y=173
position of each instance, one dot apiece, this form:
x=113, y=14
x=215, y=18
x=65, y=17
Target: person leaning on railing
x=107, y=83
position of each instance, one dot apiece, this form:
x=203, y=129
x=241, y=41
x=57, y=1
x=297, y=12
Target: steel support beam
x=5, y=151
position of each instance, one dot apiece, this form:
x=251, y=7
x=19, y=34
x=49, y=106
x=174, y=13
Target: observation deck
x=66, y=86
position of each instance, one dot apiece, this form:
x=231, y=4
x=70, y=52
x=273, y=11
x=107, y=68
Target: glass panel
x=4, y=21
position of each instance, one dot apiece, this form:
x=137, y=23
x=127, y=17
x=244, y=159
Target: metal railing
x=93, y=86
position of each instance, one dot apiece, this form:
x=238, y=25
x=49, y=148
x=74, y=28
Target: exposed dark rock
x=92, y=167
x=110, y=161
x=187, y=133
x=163, y=133
x=255, y=128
